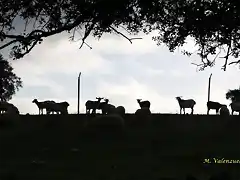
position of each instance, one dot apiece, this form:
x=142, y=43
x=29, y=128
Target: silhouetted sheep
x=108, y=108
x=183, y=104
x=61, y=107
x=224, y=111
x=102, y=105
x=8, y=108
x=120, y=110
x=235, y=106
x=213, y=105
x=143, y=111
x=42, y=105
x=92, y=105
x=144, y=104
x=142, y=116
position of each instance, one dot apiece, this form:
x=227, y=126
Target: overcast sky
x=117, y=70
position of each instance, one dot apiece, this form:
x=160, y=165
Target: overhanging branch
x=129, y=39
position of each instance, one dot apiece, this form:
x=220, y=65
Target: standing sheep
x=213, y=105
x=183, y=104
x=42, y=105
x=235, y=106
x=143, y=104
x=92, y=105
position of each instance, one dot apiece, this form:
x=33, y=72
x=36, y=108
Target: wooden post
x=209, y=86
x=78, y=107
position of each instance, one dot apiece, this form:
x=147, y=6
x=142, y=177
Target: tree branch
x=234, y=62
x=86, y=34
x=227, y=55
x=8, y=44
x=129, y=39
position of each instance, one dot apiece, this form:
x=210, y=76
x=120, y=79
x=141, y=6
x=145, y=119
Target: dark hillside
x=170, y=146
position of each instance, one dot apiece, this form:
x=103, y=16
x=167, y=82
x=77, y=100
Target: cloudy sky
x=117, y=70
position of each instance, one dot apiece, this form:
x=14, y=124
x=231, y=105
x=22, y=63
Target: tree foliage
x=213, y=24
x=9, y=82
x=233, y=95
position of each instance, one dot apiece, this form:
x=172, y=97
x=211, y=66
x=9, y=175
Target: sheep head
x=106, y=100
x=178, y=98
x=99, y=98
x=35, y=101
x=139, y=100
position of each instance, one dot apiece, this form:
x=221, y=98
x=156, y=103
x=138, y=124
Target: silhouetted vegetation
x=233, y=95
x=214, y=25
x=9, y=82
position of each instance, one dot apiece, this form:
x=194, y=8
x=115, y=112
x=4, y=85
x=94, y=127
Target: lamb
x=213, y=105
x=92, y=105
x=235, y=106
x=42, y=105
x=143, y=104
x=189, y=103
x=224, y=111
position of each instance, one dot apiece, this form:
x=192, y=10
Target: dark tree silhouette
x=233, y=95
x=9, y=82
x=214, y=25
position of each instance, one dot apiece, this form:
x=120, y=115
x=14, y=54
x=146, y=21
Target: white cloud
x=139, y=70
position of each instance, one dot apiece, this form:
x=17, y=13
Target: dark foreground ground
x=58, y=148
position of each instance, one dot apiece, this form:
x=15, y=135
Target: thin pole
x=209, y=86
x=78, y=107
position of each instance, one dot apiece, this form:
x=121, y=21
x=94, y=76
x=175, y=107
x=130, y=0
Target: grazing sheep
x=102, y=106
x=12, y=110
x=92, y=105
x=224, y=111
x=61, y=107
x=120, y=110
x=143, y=104
x=108, y=108
x=183, y=104
x=235, y=106
x=213, y=105
x=8, y=108
x=42, y=105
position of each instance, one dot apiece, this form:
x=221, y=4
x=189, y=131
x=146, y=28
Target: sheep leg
x=184, y=111
x=192, y=110
x=180, y=110
x=208, y=111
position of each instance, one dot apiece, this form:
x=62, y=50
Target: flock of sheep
x=107, y=108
